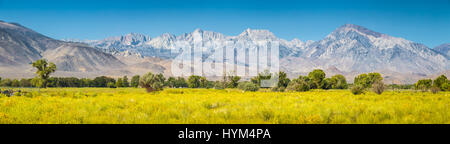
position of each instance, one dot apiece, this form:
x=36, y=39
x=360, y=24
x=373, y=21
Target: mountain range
x=349, y=50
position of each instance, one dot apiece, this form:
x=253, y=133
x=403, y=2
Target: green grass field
x=230, y=106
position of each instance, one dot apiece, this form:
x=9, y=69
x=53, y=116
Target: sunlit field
x=229, y=106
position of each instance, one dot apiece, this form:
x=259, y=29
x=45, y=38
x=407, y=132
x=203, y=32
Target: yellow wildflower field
x=229, y=106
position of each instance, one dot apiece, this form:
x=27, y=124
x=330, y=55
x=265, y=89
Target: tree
x=266, y=75
x=366, y=80
x=135, y=81
x=125, y=82
x=441, y=82
x=119, y=83
x=161, y=78
x=85, y=82
x=203, y=82
x=103, y=81
x=25, y=83
x=283, y=80
x=233, y=81
x=151, y=82
x=374, y=77
x=316, y=77
x=193, y=81
x=111, y=85
x=326, y=84
x=300, y=84
x=171, y=82
x=15, y=83
x=44, y=69
x=423, y=84
x=338, y=82
x=6, y=83
x=181, y=82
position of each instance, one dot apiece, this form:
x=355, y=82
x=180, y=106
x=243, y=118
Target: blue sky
x=424, y=21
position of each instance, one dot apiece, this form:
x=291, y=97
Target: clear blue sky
x=424, y=21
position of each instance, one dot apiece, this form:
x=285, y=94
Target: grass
x=229, y=106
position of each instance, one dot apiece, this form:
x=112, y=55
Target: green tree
x=6, y=83
x=283, y=80
x=374, y=77
x=300, y=84
x=125, y=82
x=423, y=84
x=193, y=81
x=119, y=83
x=135, y=81
x=366, y=80
x=103, y=81
x=15, y=83
x=181, y=82
x=25, y=83
x=326, y=84
x=85, y=82
x=203, y=82
x=338, y=82
x=151, y=82
x=171, y=82
x=441, y=82
x=44, y=69
x=111, y=85
x=316, y=77
x=266, y=75
x=233, y=81
x=161, y=78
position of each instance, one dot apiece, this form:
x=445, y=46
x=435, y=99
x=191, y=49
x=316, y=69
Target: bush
x=378, y=87
x=219, y=85
x=278, y=89
x=151, y=82
x=248, y=86
x=435, y=89
x=357, y=89
x=424, y=84
x=298, y=85
x=111, y=85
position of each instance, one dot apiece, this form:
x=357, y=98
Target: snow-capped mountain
x=443, y=49
x=163, y=46
x=355, y=48
x=350, y=49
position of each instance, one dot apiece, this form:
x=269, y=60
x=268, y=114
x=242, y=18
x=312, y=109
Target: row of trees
x=441, y=83
x=316, y=80
x=153, y=82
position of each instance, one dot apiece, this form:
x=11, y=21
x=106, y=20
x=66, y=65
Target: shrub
x=424, y=84
x=298, y=85
x=111, y=85
x=278, y=89
x=441, y=82
x=435, y=89
x=378, y=87
x=357, y=89
x=151, y=82
x=219, y=85
x=317, y=76
x=338, y=82
x=248, y=86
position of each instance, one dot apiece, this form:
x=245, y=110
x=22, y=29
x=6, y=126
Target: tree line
x=154, y=82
